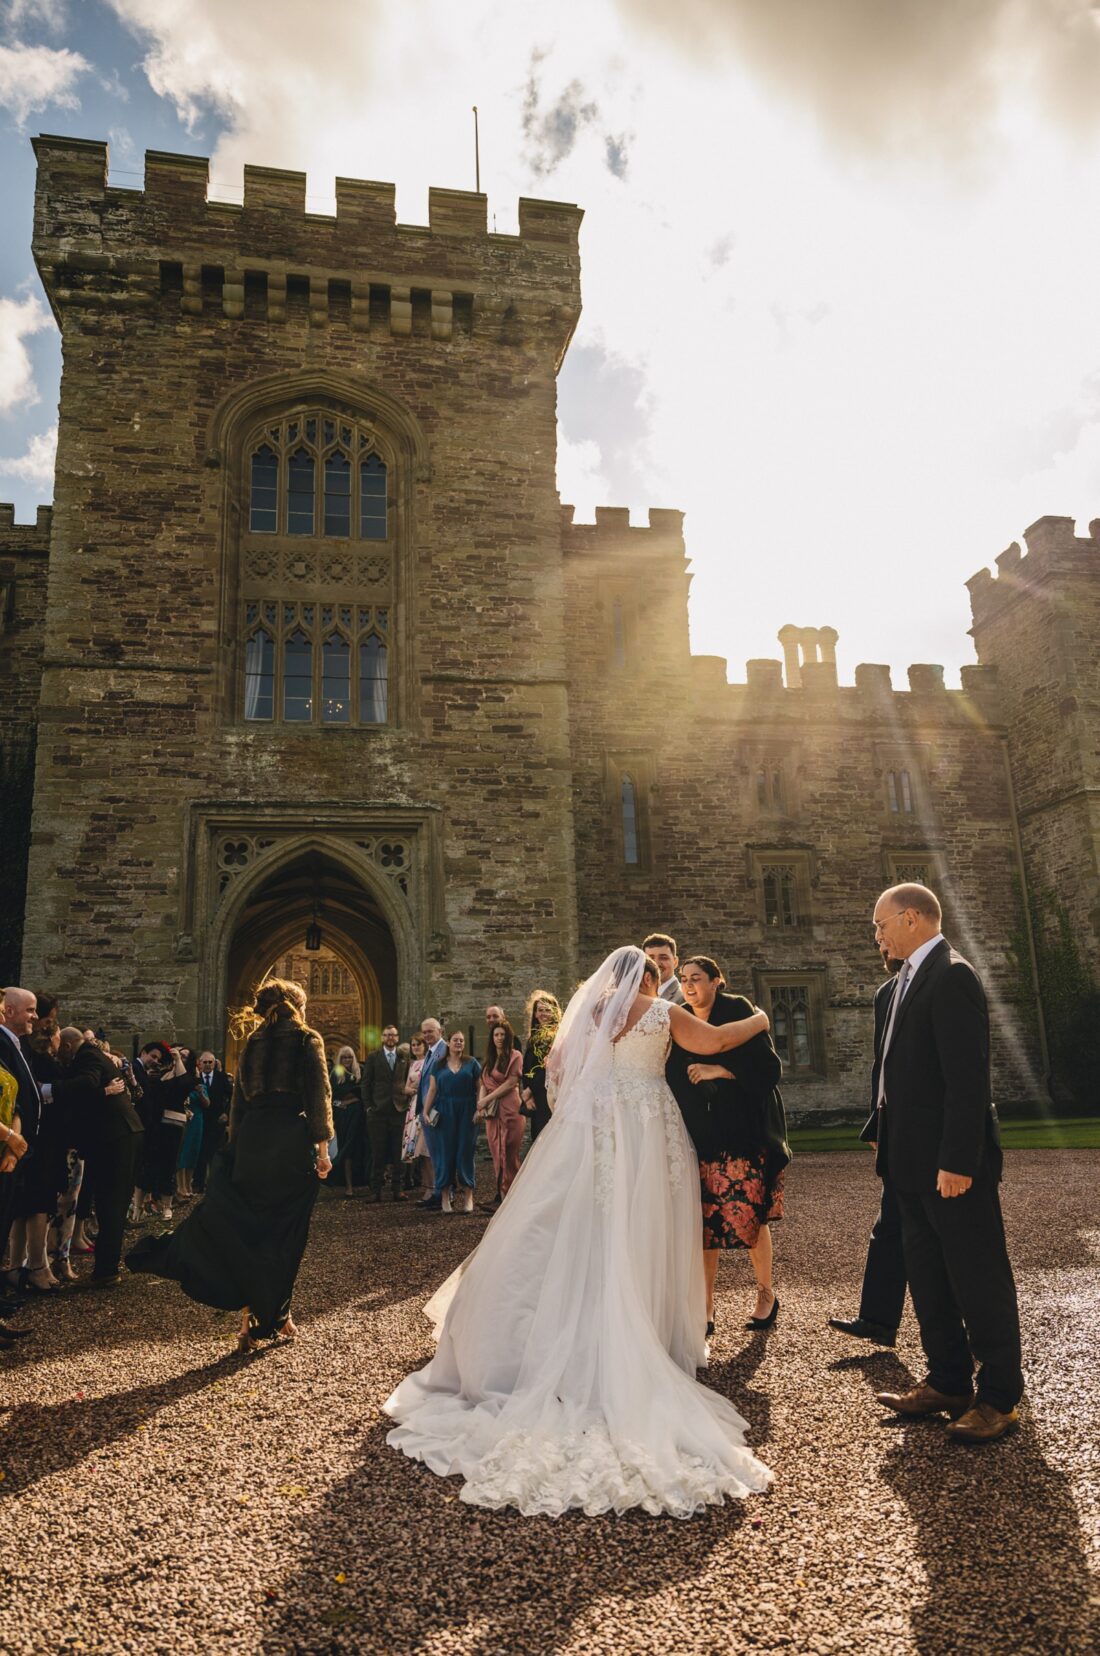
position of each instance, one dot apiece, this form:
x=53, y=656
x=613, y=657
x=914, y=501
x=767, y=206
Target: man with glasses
x=939, y=1145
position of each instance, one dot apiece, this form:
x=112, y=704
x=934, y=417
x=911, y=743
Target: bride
x=565, y=1370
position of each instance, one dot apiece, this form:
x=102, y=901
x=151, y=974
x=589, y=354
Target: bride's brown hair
x=278, y=1000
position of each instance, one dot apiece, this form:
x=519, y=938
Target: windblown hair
x=500, y=1061
x=533, y=999
x=707, y=965
x=278, y=999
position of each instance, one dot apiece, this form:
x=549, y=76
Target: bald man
x=938, y=1142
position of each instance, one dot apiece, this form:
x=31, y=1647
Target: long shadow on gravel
x=43, y=1438
x=414, y=1564
x=1000, y=1544
x=997, y=1533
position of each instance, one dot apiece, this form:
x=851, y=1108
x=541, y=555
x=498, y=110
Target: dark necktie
x=888, y=1033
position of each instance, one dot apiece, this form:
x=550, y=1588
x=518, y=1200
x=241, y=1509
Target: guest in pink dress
x=498, y=1106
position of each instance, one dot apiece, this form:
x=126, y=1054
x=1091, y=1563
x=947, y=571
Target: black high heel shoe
x=710, y=1329
x=760, y=1324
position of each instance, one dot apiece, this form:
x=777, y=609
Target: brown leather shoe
x=925, y=1400
x=983, y=1424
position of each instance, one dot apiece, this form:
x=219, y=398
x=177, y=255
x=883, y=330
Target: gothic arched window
x=316, y=646
x=336, y=680
x=338, y=494
x=373, y=684
x=264, y=509
x=298, y=676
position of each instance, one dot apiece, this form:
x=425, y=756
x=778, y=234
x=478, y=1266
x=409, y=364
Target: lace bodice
x=641, y=1053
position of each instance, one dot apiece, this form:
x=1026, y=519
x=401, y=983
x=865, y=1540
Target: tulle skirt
x=565, y=1370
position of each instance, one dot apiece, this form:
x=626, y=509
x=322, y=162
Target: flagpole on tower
x=477, y=154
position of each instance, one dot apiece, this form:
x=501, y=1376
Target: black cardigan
x=738, y=1118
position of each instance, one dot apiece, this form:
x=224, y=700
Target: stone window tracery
x=316, y=645
x=630, y=821
x=304, y=666
x=286, y=460
x=795, y=1004
x=899, y=792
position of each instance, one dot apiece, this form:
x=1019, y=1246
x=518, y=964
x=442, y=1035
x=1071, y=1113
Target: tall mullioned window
x=292, y=460
x=318, y=551
x=298, y=659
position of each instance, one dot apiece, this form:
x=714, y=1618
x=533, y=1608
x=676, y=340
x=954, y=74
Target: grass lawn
x=1073, y=1133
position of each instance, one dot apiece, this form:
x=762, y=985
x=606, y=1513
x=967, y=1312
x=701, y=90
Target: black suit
x=938, y=1115
x=215, y=1131
x=108, y=1134
x=882, y=1298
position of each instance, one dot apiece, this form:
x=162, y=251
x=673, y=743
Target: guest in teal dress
x=196, y=1107
x=452, y=1090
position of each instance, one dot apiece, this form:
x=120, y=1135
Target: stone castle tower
x=322, y=657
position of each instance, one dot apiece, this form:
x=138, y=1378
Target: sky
x=838, y=258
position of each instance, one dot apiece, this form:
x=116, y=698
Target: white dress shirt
x=917, y=959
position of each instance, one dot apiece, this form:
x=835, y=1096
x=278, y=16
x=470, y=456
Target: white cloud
x=19, y=318
x=582, y=481
x=36, y=77
x=51, y=14
x=36, y=465
x=859, y=365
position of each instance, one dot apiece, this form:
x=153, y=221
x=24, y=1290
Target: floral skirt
x=737, y=1200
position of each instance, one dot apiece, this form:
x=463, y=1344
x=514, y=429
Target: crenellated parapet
x=1053, y=549
x=613, y=535
x=269, y=259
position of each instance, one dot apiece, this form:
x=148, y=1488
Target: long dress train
x=565, y=1370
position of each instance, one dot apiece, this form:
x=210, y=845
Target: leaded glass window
x=299, y=499
x=336, y=680
x=298, y=677
x=372, y=499
x=338, y=494
x=264, y=514
x=780, y=895
x=259, y=675
x=791, y=1025
x=373, y=681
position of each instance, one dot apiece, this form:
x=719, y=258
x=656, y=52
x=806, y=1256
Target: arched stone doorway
x=357, y=954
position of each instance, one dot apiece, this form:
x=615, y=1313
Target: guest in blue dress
x=195, y=1108
x=452, y=1090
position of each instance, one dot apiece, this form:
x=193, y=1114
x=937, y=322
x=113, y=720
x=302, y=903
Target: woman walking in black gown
x=240, y=1249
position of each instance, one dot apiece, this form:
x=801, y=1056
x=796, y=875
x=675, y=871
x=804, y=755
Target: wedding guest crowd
x=89, y=1142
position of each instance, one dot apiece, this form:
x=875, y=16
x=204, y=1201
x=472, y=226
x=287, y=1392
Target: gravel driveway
x=161, y=1495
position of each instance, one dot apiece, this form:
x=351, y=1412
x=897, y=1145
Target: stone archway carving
x=284, y=852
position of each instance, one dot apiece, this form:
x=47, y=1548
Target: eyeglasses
x=881, y=925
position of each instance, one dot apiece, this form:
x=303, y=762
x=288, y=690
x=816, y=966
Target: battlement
x=807, y=677
x=97, y=245
x=1053, y=547
x=614, y=535
x=25, y=537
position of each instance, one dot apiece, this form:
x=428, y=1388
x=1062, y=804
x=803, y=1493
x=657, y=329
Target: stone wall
x=736, y=779
x=24, y=553
x=1037, y=622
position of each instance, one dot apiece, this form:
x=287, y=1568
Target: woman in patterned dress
x=733, y=1112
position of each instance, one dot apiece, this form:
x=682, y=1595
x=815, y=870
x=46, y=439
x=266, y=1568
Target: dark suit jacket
x=28, y=1103
x=938, y=1111
x=95, y=1119
x=884, y=994
x=382, y=1087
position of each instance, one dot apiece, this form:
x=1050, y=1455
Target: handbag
x=491, y=1110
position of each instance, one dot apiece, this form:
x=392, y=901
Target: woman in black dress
x=543, y=1018
x=242, y=1246
x=733, y=1112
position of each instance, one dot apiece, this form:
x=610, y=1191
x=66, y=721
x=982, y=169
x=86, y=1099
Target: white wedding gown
x=565, y=1370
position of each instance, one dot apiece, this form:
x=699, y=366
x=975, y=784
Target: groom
x=939, y=1144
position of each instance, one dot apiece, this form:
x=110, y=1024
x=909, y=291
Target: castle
x=307, y=655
